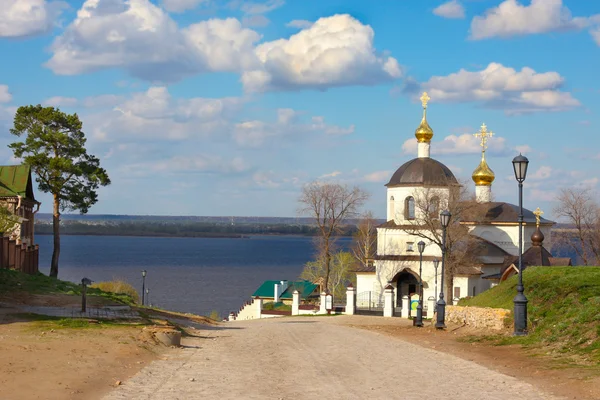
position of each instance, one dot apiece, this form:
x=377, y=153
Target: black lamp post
x=419, y=322
x=148, y=297
x=143, y=285
x=436, y=263
x=441, y=304
x=520, y=164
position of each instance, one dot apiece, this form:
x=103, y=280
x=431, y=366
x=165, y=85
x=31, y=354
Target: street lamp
x=520, y=164
x=148, y=297
x=143, y=284
x=441, y=304
x=421, y=247
x=436, y=263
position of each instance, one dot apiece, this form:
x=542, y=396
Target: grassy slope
x=14, y=282
x=563, y=309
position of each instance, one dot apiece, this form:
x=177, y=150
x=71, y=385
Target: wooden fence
x=19, y=257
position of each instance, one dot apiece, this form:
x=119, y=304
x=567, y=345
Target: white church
x=397, y=260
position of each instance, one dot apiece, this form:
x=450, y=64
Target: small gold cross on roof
x=484, y=134
x=538, y=213
x=425, y=99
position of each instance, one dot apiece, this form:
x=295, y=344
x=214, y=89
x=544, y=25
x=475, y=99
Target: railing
x=371, y=300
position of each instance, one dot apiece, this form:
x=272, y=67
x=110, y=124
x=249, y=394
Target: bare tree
x=340, y=275
x=330, y=204
x=581, y=212
x=364, y=247
x=461, y=246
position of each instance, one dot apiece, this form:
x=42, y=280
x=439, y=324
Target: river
x=196, y=275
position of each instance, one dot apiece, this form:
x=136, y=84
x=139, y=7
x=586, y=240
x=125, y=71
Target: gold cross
x=484, y=134
x=425, y=99
x=538, y=213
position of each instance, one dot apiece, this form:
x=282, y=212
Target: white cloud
x=458, y=145
x=252, y=8
x=5, y=96
x=142, y=39
x=511, y=18
x=59, y=101
x=523, y=149
x=258, y=21
x=23, y=18
x=198, y=163
x=299, y=23
x=451, y=9
x=178, y=6
x=596, y=35
x=542, y=173
x=255, y=133
x=334, y=51
x=330, y=175
x=502, y=87
x=155, y=114
x=378, y=176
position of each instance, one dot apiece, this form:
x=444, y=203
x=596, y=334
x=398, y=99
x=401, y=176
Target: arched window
x=434, y=206
x=409, y=208
x=392, y=209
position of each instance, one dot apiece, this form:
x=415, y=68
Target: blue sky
x=204, y=107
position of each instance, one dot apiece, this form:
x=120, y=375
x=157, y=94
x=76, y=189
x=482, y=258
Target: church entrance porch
x=407, y=284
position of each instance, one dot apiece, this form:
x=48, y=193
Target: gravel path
x=287, y=358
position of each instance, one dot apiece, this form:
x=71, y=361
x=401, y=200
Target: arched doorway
x=407, y=284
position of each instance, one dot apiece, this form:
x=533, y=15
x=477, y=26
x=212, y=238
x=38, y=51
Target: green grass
x=15, y=282
x=563, y=309
x=46, y=322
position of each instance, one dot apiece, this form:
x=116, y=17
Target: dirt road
x=290, y=358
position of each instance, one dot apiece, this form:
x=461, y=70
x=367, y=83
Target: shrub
x=118, y=287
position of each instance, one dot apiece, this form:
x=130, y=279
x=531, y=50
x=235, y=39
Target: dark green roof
x=305, y=288
x=15, y=180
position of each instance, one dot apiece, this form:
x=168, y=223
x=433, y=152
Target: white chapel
x=495, y=230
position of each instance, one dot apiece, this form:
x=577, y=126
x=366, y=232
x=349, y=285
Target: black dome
x=423, y=171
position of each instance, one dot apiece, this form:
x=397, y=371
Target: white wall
x=395, y=208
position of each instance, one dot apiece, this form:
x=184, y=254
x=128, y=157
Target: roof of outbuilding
x=422, y=171
x=267, y=288
x=495, y=212
x=15, y=180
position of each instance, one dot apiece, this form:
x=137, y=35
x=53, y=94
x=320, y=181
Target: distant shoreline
x=208, y=235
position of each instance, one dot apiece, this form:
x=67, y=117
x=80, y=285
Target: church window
x=409, y=208
x=410, y=246
x=392, y=208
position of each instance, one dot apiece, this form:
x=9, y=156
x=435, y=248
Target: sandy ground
x=319, y=356
x=67, y=363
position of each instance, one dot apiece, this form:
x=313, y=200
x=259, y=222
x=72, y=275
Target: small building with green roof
x=282, y=291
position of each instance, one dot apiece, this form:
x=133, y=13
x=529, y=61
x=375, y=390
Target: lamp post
x=148, y=297
x=421, y=247
x=520, y=164
x=143, y=284
x=441, y=304
x=436, y=263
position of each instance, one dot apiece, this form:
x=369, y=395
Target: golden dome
x=483, y=174
x=424, y=133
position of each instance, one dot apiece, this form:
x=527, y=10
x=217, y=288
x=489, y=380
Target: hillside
x=563, y=309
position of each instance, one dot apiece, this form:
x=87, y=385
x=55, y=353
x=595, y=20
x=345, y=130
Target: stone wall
x=477, y=317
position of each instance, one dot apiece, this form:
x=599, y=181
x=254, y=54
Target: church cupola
x=483, y=176
x=424, y=133
x=537, y=238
